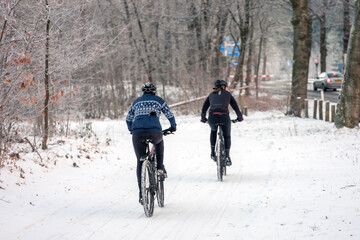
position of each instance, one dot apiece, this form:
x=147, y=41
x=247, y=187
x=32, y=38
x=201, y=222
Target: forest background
x=64, y=60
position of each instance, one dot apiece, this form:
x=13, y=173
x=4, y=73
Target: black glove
x=203, y=120
x=172, y=129
x=238, y=119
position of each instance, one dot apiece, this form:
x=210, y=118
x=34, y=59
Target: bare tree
x=242, y=20
x=348, y=108
x=301, y=45
x=46, y=79
x=263, y=25
x=323, y=48
x=251, y=45
x=346, y=25
x=222, y=18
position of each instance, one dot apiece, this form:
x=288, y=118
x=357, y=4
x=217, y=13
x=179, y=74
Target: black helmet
x=149, y=88
x=219, y=83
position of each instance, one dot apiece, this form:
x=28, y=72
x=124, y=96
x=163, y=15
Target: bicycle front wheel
x=146, y=188
x=160, y=193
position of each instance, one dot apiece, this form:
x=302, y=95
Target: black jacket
x=219, y=102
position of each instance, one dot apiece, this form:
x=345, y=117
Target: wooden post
x=315, y=108
x=321, y=110
x=327, y=111
x=332, y=113
x=245, y=111
x=306, y=108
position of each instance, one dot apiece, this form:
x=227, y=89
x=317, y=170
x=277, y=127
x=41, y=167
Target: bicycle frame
x=150, y=152
x=151, y=157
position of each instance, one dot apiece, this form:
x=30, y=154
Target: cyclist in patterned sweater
x=143, y=123
x=218, y=102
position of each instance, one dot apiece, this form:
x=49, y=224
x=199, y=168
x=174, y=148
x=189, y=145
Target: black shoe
x=227, y=157
x=228, y=161
x=161, y=171
x=212, y=154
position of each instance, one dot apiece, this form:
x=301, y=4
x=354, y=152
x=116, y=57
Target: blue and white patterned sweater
x=139, y=118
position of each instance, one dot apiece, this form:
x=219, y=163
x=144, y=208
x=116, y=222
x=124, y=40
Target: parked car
x=328, y=80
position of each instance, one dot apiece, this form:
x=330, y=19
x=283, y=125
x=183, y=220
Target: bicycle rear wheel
x=223, y=157
x=160, y=193
x=146, y=188
x=218, y=154
x=219, y=168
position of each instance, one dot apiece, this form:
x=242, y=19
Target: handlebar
x=233, y=120
x=167, y=131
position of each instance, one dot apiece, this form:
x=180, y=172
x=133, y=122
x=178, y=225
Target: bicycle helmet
x=149, y=88
x=219, y=83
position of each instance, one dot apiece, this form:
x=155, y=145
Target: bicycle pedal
x=162, y=174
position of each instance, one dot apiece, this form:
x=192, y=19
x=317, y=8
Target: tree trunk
x=264, y=55
x=205, y=42
x=222, y=17
x=167, y=59
x=47, y=80
x=258, y=66
x=323, y=49
x=346, y=25
x=239, y=72
x=148, y=64
x=192, y=28
x=249, y=58
x=300, y=22
x=132, y=43
x=348, y=108
x=244, y=32
x=1, y=136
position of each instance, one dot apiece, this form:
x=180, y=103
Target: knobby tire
x=219, y=151
x=220, y=154
x=146, y=188
x=223, y=158
x=160, y=193
x=219, y=169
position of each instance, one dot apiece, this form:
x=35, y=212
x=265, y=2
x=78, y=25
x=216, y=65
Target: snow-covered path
x=291, y=179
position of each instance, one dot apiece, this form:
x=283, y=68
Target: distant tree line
x=63, y=59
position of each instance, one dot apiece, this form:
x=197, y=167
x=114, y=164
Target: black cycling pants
x=225, y=122
x=140, y=149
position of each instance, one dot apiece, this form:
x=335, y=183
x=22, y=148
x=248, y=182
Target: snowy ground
x=291, y=179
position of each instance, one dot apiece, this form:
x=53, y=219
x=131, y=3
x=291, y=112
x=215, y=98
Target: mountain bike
x=220, y=156
x=152, y=183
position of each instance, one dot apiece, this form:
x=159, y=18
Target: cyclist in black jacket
x=218, y=101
